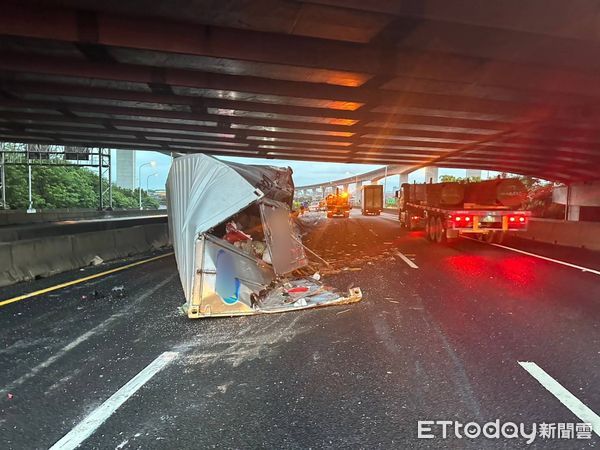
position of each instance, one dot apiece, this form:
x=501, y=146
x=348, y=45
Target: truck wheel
x=440, y=231
x=428, y=226
x=432, y=228
x=329, y=215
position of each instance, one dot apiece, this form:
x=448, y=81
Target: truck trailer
x=485, y=209
x=371, y=199
x=235, y=243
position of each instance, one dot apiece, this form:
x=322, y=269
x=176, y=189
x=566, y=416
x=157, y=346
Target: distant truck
x=485, y=209
x=338, y=204
x=372, y=199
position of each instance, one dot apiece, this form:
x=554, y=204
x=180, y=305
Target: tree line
x=55, y=187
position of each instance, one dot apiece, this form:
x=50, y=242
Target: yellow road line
x=80, y=280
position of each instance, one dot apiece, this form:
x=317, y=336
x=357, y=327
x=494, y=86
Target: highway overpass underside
x=509, y=86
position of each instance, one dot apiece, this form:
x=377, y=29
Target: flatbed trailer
x=447, y=210
x=443, y=224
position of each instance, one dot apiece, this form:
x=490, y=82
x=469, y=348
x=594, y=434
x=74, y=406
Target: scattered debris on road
x=96, y=261
x=118, y=291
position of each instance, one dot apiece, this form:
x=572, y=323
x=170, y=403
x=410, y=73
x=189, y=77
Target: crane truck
x=338, y=204
x=485, y=209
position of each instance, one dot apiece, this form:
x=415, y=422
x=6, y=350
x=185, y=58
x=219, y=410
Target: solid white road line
x=407, y=261
x=565, y=397
x=87, y=426
x=557, y=261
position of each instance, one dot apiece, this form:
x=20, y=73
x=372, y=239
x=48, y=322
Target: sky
x=305, y=172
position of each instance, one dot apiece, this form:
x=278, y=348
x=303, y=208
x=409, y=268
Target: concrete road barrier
x=85, y=247
x=157, y=235
x=37, y=257
x=6, y=263
x=32, y=258
x=562, y=232
x=132, y=240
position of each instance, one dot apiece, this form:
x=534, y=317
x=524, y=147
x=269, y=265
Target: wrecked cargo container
x=234, y=240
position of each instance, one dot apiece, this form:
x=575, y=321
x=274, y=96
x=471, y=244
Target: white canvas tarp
x=201, y=193
x=222, y=276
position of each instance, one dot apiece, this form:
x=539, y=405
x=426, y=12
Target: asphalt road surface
x=439, y=335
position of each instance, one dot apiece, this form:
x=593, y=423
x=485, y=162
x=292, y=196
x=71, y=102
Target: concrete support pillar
x=575, y=196
x=573, y=213
x=431, y=173
x=346, y=187
x=357, y=194
x=471, y=173
x=403, y=179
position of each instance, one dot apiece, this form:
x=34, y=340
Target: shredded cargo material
x=235, y=243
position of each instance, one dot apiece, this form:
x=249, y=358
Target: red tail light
x=512, y=219
x=521, y=219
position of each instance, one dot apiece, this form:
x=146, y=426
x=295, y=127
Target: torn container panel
x=234, y=241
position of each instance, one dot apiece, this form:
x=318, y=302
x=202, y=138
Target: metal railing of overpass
x=372, y=176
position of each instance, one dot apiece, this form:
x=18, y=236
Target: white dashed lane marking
x=87, y=426
x=563, y=395
x=407, y=260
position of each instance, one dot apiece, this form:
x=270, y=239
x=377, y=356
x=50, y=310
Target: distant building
x=125, y=169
